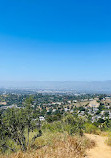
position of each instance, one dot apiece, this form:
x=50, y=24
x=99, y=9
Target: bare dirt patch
x=101, y=150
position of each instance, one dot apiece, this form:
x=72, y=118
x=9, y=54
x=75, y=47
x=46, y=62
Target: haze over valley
x=71, y=86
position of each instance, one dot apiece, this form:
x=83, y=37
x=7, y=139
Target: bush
x=70, y=124
x=73, y=125
x=53, y=127
x=90, y=128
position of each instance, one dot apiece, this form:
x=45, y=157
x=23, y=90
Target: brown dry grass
x=59, y=146
x=108, y=141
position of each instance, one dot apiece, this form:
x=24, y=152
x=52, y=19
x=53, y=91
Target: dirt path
x=101, y=150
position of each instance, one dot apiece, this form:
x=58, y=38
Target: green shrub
x=70, y=124
x=90, y=128
x=53, y=127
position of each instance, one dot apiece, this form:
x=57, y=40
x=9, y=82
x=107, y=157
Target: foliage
x=53, y=118
x=16, y=124
x=91, y=128
x=69, y=123
x=55, y=145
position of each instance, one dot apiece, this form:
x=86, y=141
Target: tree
x=14, y=124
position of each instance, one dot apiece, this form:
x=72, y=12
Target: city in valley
x=94, y=107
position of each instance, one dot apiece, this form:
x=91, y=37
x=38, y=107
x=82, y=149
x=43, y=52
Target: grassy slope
x=53, y=145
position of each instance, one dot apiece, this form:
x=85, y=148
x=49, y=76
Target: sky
x=59, y=40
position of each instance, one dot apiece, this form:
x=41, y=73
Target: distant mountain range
x=79, y=86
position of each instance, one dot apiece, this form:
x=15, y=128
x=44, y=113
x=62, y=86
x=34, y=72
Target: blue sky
x=55, y=40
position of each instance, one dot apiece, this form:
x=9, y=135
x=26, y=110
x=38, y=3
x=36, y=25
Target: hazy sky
x=61, y=40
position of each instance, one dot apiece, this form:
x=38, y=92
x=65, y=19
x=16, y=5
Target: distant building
x=41, y=118
x=54, y=110
x=69, y=102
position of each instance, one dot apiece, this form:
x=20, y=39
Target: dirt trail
x=101, y=150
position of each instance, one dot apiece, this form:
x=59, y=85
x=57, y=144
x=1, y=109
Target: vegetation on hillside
x=59, y=135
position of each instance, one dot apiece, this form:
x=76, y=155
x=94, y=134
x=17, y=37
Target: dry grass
x=109, y=139
x=55, y=146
